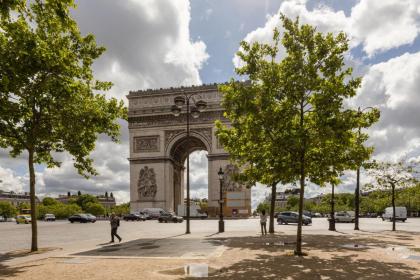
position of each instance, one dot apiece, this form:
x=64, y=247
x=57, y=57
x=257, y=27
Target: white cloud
x=383, y=25
x=377, y=25
x=148, y=46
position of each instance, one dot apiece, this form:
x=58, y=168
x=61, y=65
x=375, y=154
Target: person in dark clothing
x=115, y=223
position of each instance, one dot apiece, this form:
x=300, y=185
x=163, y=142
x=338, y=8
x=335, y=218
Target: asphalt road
x=76, y=237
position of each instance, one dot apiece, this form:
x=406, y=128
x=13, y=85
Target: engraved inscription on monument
x=146, y=144
x=146, y=184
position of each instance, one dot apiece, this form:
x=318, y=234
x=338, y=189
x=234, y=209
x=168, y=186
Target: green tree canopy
x=288, y=123
x=95, y=209
x=47, y=201
x=50, y=101
x=84, y=199
x=7, y=210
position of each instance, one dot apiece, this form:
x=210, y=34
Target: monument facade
x=159, y=147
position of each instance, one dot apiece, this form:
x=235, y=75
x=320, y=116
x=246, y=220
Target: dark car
x=134, y=217
x=91, y=217
x=81, y=218
x=292, y=217
x=169, y=217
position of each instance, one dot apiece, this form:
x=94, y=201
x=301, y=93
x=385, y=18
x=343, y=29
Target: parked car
x=145, y=215
x=170, y=217
x=81, y=218
x=23, y=219
x=343, y=217
x=400, y=214
x=91, y=217
x=292, y=217
x=2, y=219
x=134, y=217
x=154, y=213
x=49, y=217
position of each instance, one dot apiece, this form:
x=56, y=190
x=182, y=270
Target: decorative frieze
x=170, y=120
x=146, y=144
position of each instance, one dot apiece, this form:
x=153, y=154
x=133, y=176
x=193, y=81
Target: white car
x=400, y=214
x=343, y=217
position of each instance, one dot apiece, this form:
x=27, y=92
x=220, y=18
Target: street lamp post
x=194, y=111
x=357, y=191
x=221, y=222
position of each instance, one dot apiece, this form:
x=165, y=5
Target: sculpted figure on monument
x=147, y=183
x=230, y=184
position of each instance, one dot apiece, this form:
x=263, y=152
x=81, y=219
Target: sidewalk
x=239, y=254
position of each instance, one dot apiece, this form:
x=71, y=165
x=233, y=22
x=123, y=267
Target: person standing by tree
x=115, y=223
x=263, y=222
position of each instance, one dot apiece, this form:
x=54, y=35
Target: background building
x=16, y=198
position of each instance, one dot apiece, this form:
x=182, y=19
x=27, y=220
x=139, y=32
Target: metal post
x=332, y=218
x=221, y=222
x=188, y=167
x=357, y=199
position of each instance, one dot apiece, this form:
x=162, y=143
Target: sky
x=170, y=43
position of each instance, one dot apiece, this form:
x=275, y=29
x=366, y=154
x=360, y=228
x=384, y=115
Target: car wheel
x=160, y=220
x=71, y=222
x=404, y=220
x=175, y=220
x=280, y=221
x=17, y=222
x=383, y=219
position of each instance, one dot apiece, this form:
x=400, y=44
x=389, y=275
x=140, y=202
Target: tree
x=106, y=195
x=79, y=193
x=68, y=194
x=47, y=201
x=23, y=205
x=391, y=177
x=255, y=121
x=49, y=99
x=290, y=114
x=112, y=195
x=84, y=199
x=95, y=209
x=263, y=206
x=7, y=210
x=121, y=209
x=292, y=202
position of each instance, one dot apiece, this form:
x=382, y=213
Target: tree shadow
x=274, y=263
x=291, y=267
x=9, y=271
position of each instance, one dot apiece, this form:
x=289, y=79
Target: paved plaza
x=163, y=251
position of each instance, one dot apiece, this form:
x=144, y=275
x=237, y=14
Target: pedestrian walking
x=115, y=223
x=263, y=222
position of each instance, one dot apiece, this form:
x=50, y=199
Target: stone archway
x=158, y=147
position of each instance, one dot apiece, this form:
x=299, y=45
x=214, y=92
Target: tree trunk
x=357, y=200
x=34, y=244
x=298, y=250
x=332, y=214
x=393, y=207
x=273, y=205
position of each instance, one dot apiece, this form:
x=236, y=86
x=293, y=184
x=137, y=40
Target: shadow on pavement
x=171, y=246
x=9, y=271
x=274, y=261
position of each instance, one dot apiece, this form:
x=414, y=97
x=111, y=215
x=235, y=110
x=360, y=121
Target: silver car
x=343, y=217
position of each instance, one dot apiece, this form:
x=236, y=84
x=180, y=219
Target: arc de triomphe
x=159, y=147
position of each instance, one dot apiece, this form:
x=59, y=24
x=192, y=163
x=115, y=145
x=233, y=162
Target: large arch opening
x=197, y=151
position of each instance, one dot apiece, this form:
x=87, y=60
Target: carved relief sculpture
x=146, y=144
x=146, y=184
x=229, y=184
